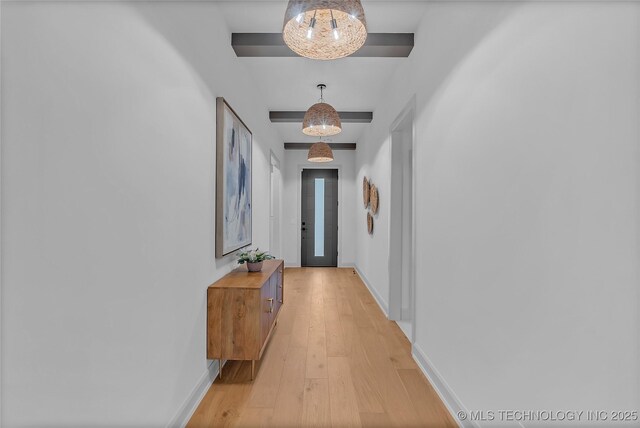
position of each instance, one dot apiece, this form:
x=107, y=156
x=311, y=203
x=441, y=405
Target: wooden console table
x=242, y=310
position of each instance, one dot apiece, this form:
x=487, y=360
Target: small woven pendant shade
x=320, y=152
x=321, y=120
x=324, y=29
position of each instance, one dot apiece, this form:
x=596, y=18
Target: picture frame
x=234, y=172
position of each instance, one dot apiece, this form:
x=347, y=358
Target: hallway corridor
x=334, y=360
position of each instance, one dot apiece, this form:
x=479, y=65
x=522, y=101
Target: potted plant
x=253, y=259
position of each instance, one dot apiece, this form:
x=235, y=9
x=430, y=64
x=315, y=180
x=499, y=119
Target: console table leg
x=220, y=368
x=253, y=369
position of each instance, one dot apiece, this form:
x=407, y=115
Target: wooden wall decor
x=371, y=201
x=365, y=191
x=374, y=199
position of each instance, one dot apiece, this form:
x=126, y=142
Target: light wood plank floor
x=334, y=360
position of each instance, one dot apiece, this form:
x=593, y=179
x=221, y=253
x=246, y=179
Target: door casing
x=404, y=123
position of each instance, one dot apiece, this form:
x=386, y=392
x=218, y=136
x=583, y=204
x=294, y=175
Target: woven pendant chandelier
x=324, y=29
x=321, y=120
x=320, y=152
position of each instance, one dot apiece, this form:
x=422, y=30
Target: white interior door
x=275, y=210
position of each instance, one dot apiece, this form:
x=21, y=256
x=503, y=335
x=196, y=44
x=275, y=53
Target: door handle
x=270, y=300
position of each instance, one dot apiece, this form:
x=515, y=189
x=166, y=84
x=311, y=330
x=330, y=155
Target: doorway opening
x=319, y=218
x=402, y=224
x=275, y=222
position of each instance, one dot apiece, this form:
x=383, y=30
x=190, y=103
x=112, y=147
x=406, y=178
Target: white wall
x=108, y=176
x=527, y=201
x=294, y=162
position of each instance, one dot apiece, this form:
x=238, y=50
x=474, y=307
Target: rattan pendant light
x=324, y=29
x=320, y=152
x=321, y=120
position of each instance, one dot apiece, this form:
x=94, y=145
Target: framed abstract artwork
x=233, y=180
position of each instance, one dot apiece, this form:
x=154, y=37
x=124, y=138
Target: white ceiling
x=353, y=84
x=266, y=16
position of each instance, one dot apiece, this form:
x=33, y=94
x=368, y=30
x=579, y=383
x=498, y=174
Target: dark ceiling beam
x=387, y=45
x=298, y=116
x=306, y=146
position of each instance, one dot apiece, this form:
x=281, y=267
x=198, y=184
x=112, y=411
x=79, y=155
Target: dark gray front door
x=319, y=217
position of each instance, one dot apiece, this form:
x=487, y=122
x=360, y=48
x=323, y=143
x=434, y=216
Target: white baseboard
x=381, y=302
x=191, y=403
x=449, y=398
